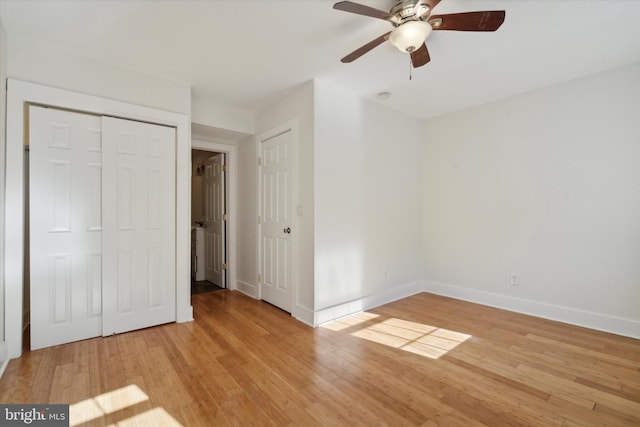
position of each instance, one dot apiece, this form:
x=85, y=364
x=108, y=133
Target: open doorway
x=208, y=221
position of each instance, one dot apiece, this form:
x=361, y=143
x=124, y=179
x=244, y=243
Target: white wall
x=545, y=185
x=206, y=111
x=47, y=66
x=368, y=189
x=3, y=116
x=297, y=105
x=247, y=217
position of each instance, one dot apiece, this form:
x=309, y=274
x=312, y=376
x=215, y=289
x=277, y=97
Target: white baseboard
x=4, y=357
x=388, y=295
x=587, y=319
x=186, y=315
x=247, y=289
x=303, y=314
x=3, y=367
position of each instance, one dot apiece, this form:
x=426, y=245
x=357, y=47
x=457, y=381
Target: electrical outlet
x=514, y=280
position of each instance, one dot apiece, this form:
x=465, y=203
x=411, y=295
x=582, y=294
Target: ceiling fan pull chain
x=410, y=68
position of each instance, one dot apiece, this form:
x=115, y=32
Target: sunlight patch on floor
x=116, y=400
x=349, y=321
x=418, y=338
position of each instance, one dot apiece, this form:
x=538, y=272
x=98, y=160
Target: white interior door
x=214, y=211
x=65, y=226
x=276, y=221
x=139, y=225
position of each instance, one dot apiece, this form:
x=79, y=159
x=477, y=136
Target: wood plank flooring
x=424, y=361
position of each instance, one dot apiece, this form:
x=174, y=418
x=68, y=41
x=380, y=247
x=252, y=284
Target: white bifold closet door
x=101, y=225
x=138, y=225
x=65, y=248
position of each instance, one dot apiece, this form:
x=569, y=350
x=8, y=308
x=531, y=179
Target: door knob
x=287, y=230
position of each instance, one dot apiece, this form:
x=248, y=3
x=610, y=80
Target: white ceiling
x=244, y=53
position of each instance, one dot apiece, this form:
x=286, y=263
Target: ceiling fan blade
x=489, y=20
x=366, y=48
x=360, y=9
x=420, y=57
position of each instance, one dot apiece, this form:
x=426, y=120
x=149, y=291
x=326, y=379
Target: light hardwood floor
x=424, y=360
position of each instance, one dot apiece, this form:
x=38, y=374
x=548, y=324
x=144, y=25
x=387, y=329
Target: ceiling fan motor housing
x=408, y=10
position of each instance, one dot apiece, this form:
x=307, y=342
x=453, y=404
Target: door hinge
x=259, y=219
x=224, y=217
x=259, y=161
x=224, y=266
x=224, y=168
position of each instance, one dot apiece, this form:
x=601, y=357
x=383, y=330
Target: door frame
x=289, y=126
x=19, y=94
x=231, y=185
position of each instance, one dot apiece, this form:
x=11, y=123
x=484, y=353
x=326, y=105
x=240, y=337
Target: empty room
x=320, y=213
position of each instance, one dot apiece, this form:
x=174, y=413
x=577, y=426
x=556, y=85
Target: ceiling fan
x=413, y=22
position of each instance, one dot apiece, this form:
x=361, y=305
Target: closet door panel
x=139, y=225
x=64, y=226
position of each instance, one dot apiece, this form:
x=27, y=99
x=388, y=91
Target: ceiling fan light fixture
x=410, y=35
